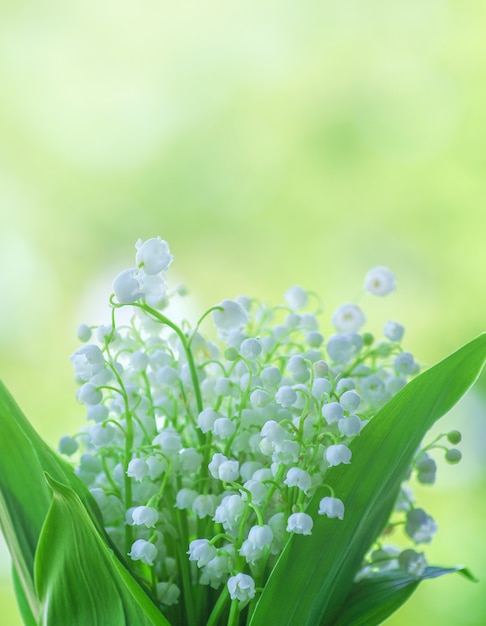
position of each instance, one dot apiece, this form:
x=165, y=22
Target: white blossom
x=348, y=318
x=412, y=562
x=224, y=427
x=351, y=426
x=153, y=255
x=241, y=587
x=68, y=445
x=202, y=551
x=300, y=524
x=89, y=394
x=145, y=516
x=83, y=333
x=168, y=593
x=204, y=505
x=286, y=396
x=393, y=331
x=87, y=361
x=296, y=297
x=250, y=348
x=258, y=542
x=405, y=363
x=350, y=401
x=420, y=526
x=127, y=286
x=331, y=507
x=379, y=281
x=332, y=412
x=231, y=316
x=185, y=498
x=143, y=551
x=337, y=454
x=297, y=477
x=137, y=469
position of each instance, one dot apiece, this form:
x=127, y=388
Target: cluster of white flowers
x=214, y=448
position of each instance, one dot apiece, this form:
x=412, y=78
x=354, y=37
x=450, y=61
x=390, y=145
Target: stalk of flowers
x=203, y=453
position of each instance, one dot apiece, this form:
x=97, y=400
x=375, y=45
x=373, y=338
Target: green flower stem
x=184, y=568
x=234, y=616
x=218, y=608
x=128, y=451
x=186, y=345
x=201, y=320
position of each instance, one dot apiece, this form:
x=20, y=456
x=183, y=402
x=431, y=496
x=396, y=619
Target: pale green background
x=272, y=143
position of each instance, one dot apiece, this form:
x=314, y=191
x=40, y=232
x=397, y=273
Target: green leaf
x=79, y=579
x=372, y=600
x=24, y=607
x=24, y=496
x=314, y=575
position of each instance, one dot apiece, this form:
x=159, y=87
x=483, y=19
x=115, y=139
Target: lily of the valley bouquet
x=247, y=470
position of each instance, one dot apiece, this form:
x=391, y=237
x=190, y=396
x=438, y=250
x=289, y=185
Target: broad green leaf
x=79, y=579
x=314, y=575
x=24, y=607
x=372, y=600
x=24, y=496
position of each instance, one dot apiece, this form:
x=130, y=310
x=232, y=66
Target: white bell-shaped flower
x=202, y=551
x=230, y=317
x=348, y=318
x=230, y=511
x=190, y=459
x=250, y=348
x=127, y=286
x=351, y=426
x=217, y=570
x=332, y=412
x=68, y=445
x=137, y=469
x=379, y=281
x=296, y=297
x=89, y=394
x=286, y=396
x=405, y=363
x=393, y=331
x=228, y=471
x=223, y=427
x=169, y=441
x=350, y=401
x=321, y=386
x=412, y=562
x=168, y=593
x=299, y=478
x=153, y=255
x=257, y=490
x=337, y=454
x=145, y=516
x=205, y=505
x=185, y=498
x=206, y=419
x=241, y=587
x=143, y=551
x=259, y=540
x=331, y=507
x=87, y=361
x=83, y=333
x=420, y=526
x=341, y=347
x=154, y=289
x=217, y=460
x=300, y=524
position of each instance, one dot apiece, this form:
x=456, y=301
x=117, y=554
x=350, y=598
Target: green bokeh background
x=271, y=143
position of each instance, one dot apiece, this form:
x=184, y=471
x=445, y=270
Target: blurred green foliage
x=271, y=143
